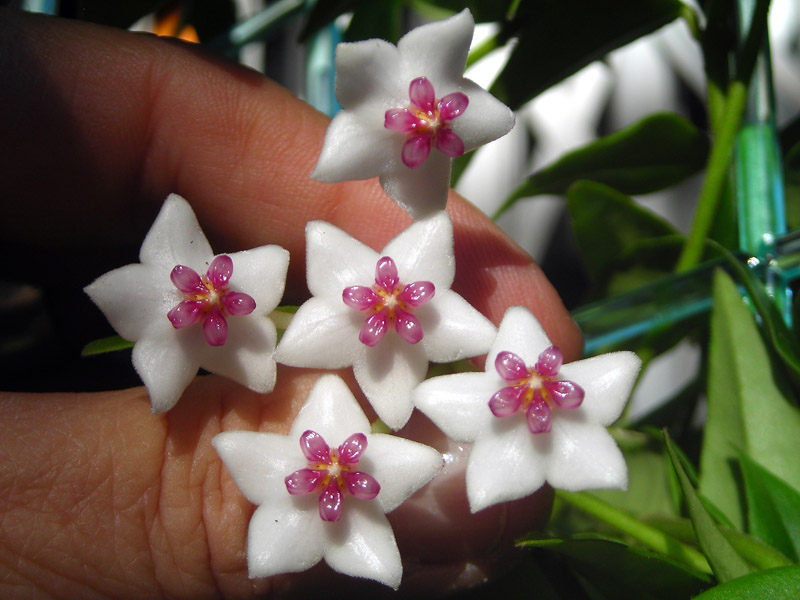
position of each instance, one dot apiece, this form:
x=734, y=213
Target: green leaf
x=754, y=551
x=726, y=563
x=791, y=169
x=747, y=406
x=774, y=584
x=631, y=235
x=623, y=571
x=113, y=343
x=781, y=338
x=558, y=37
x=650, y=155
x=773, y=508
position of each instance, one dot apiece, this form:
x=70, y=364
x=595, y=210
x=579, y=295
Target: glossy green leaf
x=631, y=236
x=622, y=571
x=558, y=37
x=113, y=343
x=774, y=584
x=747, y=406
x=773, y=508
x=648, y=486
x=726, y=563
x=652, y=154
x=751, y=549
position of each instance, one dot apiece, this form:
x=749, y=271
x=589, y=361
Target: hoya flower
x=185, y=308
x=385, y=313
x=323, y=491
x=532, y=419
x=406, y=111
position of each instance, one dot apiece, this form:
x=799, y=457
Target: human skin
x=98, y=497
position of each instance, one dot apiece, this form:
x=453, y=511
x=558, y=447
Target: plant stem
x=645, y=534
x=716, y=174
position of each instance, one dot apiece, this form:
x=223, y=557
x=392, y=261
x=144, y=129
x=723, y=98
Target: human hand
x=99, y=497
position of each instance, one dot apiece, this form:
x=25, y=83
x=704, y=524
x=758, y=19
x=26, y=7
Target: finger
x=101, y=498
x=118, y=121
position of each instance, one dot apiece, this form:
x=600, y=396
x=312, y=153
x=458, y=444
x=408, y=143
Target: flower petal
x=420, y=192
x=521, y=334
x=246, y=358
x=387, y=374
x=424, y=252
x=323, y=334
x=166, y=360
x=370, y=552
x=439, y=50
x=366, y=70
x=261, y=274
x=176, y=238
x=506, y=463
x=133, y=297
x=331, y=411
x=607, y=381
x=484, y=120
x=453, y=328
x=358, y=146
x=259, y=463
x=400, y=466
x=458, y=404
x=584, y=456
x=283, y=538
x=336, y=261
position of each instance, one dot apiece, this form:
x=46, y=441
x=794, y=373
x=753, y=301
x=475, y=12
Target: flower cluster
x=323, y=491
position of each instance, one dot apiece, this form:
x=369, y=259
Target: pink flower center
x=536, y=390
x=208, y=299
x=426, y=123
x=389, y=303
x=332, y=473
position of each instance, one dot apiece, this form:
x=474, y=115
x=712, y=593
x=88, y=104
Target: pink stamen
x=386, y=273
x=304, y=481
x=426, y=123
x=565, y=394
x=452, y=106
x=186, y=313
x=421, y=94
x=417, y=293
x=507, y=401
x=314, y=448
x=549, y=362
x=374, y=328
x=208, y=299
x=534, y=390
x=238, y=304
x=186, y=280
x=330, y=503
x=361, y=485
x=215, y=328
x=352, y=448
x=538, y=416
x=331, y=473
x=389, y=304
x=511, y=367
x=407, y=326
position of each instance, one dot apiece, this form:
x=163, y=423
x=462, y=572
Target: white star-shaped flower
x=533, y=420
x=407, y=110
x=385, y=314
x=323, y=491
x=185, y=308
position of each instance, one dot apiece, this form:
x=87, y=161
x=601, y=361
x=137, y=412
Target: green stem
x=645, y=534
x=716, y=175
